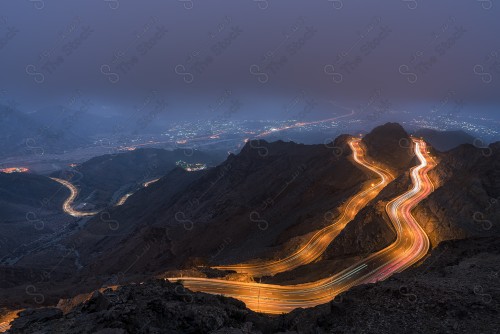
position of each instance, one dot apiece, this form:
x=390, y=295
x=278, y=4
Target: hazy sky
x=253, y=58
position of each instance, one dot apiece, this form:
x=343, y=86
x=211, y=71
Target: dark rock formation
x=444, y=140
x=21, y=193
x=236, y=211
x=466, y=201
x=104, y=179
x=152, y=307
x=455, y=290
x=259, y=201
x=390, y=145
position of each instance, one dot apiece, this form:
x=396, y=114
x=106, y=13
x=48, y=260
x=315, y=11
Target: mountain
x=56, y=129
x=104, y=179
x=390, y=145
x=119, y=232
x=30, y=209
x=35, y=234
x=262, y=203
x=466, y=200
x=371, y=229
x=456, y=290
x=21, y=193
x=244, y=204
x=465, y=204
x=246, y=199
x=241, y=206
x=77, y=121
x=31, y=134
x=445, y=140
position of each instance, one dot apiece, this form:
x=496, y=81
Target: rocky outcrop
x=368, y=233
x=33, y=317
x=254, y=204
x=25, y=196
x=465, y=204
x=152, y=307
x=237, y=211
x=466, y=201
x=371, y=230
x=390, y=145
x=445, y=140
x=104, y=179
x=240, y=210
x=455, y=290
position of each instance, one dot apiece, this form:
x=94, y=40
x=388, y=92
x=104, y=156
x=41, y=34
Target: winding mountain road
x=410, y=246
x=321, y=239
x=68, y=203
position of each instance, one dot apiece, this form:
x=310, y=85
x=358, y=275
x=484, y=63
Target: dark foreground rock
x=156, y=306
x=455, y=290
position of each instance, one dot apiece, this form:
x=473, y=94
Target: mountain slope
x=466, y=200
x=265, y=201
x=444, y=140
x=243, y=204
x=465, y=204
x=21, y=132
x=104, y=179
x=390, y=145
x=21, y=193
x=456, y=290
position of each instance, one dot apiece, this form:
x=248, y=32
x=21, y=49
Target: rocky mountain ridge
x=455, y=290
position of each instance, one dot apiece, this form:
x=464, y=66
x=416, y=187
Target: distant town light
x=11, y=170
x=191, y=167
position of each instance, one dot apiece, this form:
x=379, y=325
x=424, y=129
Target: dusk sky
x=261, y=55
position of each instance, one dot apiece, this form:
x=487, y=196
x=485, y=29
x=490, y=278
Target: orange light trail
x=146, y=184
x=410, y=246
x=321, y=239
x=68, y=203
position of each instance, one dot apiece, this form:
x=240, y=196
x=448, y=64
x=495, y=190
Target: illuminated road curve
x=321, y=239
x=146, y=184
x=4, y=326
x=67, y=206
x=124, y=198
x=410, y=246
x=68, y=203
